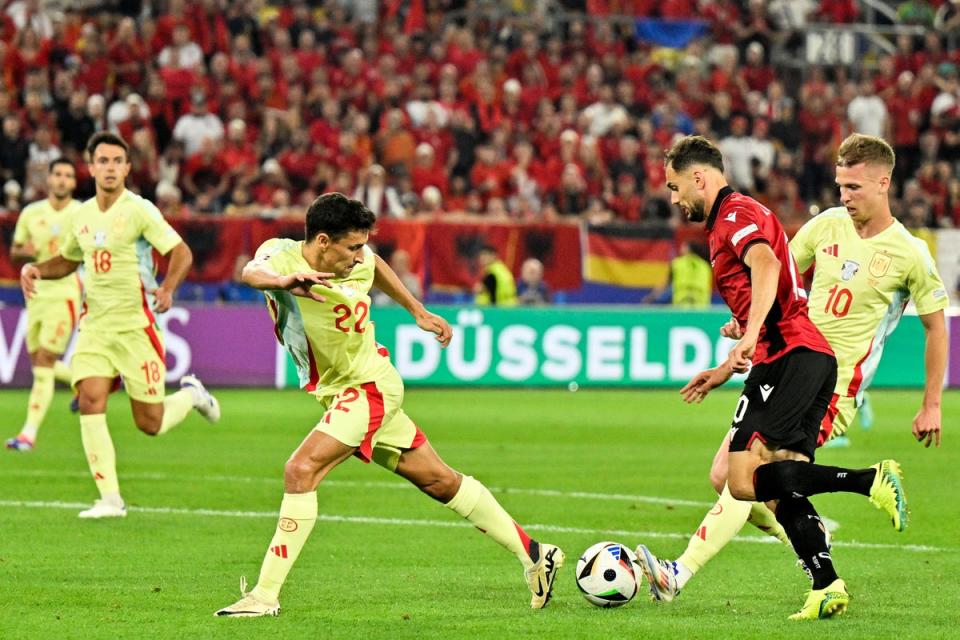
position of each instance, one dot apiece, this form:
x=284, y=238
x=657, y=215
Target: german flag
x=628, y=255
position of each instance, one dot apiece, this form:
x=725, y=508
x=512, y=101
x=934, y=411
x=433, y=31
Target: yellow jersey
x=44, y=227
x=115, y=247
x=861, y=288
x=332, y=343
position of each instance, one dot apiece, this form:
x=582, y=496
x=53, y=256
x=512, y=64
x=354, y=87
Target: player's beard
x=697, y=211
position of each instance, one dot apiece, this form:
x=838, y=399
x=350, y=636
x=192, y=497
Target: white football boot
x=203, y=401
x=104, y=509
x=541, y=575
x=660, y=575
x=248, y=606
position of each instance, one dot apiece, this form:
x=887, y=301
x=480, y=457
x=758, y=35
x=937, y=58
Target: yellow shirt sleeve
x=926, y=287
x=157, y=230
x=21, y=234
x=70, y=246
x=803, y=246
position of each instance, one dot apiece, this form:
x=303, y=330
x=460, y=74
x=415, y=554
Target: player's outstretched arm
x=702, y=383
x=386, y=279
x=181, y=259
x=764, y=273
x=52, y=269
x=926, y=424
x=258, y=275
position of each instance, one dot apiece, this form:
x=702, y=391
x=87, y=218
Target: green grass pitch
x=387, y=562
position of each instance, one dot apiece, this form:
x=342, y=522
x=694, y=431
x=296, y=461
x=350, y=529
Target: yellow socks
x=61, y=372
x=40, y=396
x=762, y=518
x=100, y=454
x=176, y=406
x=475, y=503
x=724, y=521
x=298, y=514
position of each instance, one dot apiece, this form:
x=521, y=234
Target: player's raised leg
x=306, y=468
x=468, y=497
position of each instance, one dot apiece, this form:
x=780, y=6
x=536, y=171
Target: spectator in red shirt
x=756, y=74
x=626, y=203
x=204, y=173
x=270, y=182
x=427, y=171
x=487, y=176
x=821, y=135
x=300, y=161
x=237, y=154
x=127, y=54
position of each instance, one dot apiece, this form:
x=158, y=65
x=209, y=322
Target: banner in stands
x=235, y=346
x=628, y=255
x=585, y=347
x=441, y=253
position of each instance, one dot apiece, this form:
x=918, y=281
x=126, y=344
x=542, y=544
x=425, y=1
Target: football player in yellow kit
x=318, y=293
x=113, y=235
x=52, y=313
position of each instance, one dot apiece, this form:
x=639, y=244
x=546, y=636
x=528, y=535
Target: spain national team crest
x=880, y=264
x=848, y=270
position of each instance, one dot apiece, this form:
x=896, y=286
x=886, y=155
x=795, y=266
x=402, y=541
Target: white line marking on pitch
x=411, y=522
x=157, y=476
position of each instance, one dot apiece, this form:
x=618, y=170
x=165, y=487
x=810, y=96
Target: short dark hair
x=106, y=137
x=337, y=215
x=61, y=160
x=692, y=150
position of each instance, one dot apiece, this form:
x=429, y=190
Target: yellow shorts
x=369, y=416
x=50, y=324
x=840, y=414
x=137, y=356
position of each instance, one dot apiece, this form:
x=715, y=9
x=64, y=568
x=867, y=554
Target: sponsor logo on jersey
x=880, y=264
x=832, y=250
x=100, y=238
x=765, y=391
x=731, y=217
x=849, y=269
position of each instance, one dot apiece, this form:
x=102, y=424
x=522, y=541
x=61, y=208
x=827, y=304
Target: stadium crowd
x=249, y=108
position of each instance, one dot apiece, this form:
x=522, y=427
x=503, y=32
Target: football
x=607, y=574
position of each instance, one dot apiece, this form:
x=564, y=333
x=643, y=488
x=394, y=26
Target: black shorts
x=784, y=401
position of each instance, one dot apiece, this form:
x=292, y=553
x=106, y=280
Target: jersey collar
x=721, y=196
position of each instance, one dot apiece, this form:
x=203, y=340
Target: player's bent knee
x=740, y=488
x=297, y=473
x=148, y=424
x=442, y=486
x=718, y=477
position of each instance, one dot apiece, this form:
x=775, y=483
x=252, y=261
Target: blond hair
x=863, y=149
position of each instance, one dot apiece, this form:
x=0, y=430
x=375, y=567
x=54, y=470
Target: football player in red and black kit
x=792, y=375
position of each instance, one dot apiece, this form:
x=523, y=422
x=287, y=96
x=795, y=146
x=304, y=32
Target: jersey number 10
x=839, y=301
